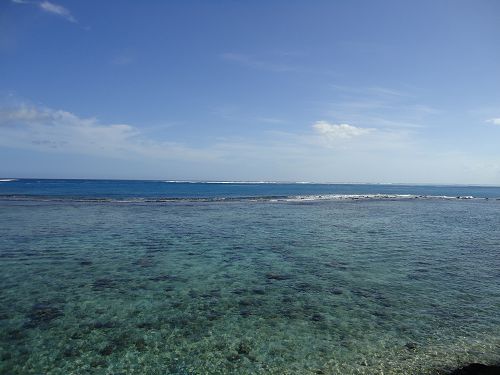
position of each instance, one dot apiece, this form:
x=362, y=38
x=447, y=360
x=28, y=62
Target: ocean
x=157, y=277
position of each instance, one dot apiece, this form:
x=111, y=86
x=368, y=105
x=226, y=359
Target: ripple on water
x=335, y=287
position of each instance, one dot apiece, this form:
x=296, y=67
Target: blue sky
x=337, y=91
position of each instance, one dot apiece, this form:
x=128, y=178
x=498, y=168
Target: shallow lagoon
x=366, y=286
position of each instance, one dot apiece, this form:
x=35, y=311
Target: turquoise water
x=365, y=286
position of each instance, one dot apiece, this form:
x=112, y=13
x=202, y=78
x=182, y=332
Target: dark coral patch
x=42, y=313
x=107, y=350
x=316, y=317
x=101, y=325
x=336, y=291
x=104, y=283
x=477, y=369
x=166, y=277
x=277, y=276
x=145, y=262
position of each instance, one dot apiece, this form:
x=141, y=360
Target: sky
x=323, y=91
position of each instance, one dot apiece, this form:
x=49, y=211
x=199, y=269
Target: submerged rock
x=104, y=283
x=249, y=302
x=306, y=287
x=411, y=345
x=71, y=352
x=233, y=357
x=101, y=325
x=245, y=313
x=166, y=277
x=239, y=291
x=337, y=264
x=42, y=313
x=213, y=315
x=211, y=294
x=107, y=350
x=140, y=344
x=288, y=313
x=380, y=315
x=365, y=293
x=259, y=291
x=161, y=278
x=243, y=348
x=317, y=317
x=336, y=291
x=477, y=369
x=98, y=363
x=144, y=262
x=146, y=325
x=276, y=276
x=15, y=334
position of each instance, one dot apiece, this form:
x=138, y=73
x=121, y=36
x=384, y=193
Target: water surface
x=365, y=286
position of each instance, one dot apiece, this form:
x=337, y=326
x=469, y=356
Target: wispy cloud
x=31, y=127
x=373, y=90
x=271, y=120
x=494, y=121
x=278, y=62
x=58, y=10
x=51, y=8
x=377, y=97
x=252, y=62
x=334, y=132
x=379, y=107
x=239, y=116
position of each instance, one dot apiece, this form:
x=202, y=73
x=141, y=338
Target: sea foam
x=300, y=198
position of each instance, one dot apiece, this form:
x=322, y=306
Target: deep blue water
x=376, y=284
x=121, y=189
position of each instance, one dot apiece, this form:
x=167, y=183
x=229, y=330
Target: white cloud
x=341, y=131
x=494, y=121
x=52, y=8
x=45, y=129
